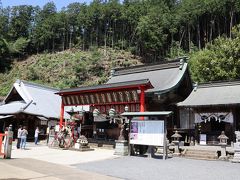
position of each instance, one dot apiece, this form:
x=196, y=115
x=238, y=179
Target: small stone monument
x=223, y=142
x=82, y=144
x=236, y=157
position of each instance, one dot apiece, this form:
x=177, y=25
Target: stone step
x=102, y=146
x=201, y=154
x=201, y=158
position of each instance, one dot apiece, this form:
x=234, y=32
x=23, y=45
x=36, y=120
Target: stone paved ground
x=63, y=157
x=140, y=168
x=40, y=162
x=27, y=168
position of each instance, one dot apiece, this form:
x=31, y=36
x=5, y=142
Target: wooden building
x=153, y=87
x=30, y=105
x=210, y=109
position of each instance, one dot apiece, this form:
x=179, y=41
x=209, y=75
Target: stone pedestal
x=82, y=144
x=223, y=153
x=176, y=148
x=52, y=142
x=78, y=147
x=236, y=157
x=150, y=151
x=121, y=148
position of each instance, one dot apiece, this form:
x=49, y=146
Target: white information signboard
x=147, y=132
x=203, y=139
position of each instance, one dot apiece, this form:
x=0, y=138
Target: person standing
x=23, y=138
x=19, y=136
x=36, y=135
x=47, y=132
x=5, y=139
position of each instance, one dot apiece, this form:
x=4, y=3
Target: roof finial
x=112, y=73
x=181, y=63
x=195, y=86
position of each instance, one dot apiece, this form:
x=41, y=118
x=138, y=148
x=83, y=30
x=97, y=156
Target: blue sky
x=41, y=3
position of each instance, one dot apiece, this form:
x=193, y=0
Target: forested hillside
x=149, y=28
x=69, y=68
x=63, y=48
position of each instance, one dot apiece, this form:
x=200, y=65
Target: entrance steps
x=102, y=144
x=200, y=154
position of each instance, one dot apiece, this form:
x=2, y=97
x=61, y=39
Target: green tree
x=218, y=61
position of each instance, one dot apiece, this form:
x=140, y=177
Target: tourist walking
x=23, y=138
x=19, y=136
x=36, y=135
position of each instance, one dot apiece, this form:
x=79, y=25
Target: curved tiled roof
x=35, y=99
x=214, y=93
x=163, y=76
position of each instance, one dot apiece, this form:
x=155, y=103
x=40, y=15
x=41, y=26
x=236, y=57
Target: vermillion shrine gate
x=107, y=96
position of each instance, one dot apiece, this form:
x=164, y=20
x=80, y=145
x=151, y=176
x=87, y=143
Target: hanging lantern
x=126, y=108
x=81, y=113
x=112, y=112
x=96, y=112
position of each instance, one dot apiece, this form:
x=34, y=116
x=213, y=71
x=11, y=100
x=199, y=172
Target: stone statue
x=237, y=136
x=121, y=136
x=82, y=140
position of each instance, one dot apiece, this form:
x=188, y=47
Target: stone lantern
x=176, y=137
x=236, y=157
x=223, y=142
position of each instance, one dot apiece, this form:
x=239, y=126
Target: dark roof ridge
x=219, y=83
x=148, y=67
x=102, y=86
x=37, y=85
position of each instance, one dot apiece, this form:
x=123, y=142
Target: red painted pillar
x=142, y=99
x=61, y=114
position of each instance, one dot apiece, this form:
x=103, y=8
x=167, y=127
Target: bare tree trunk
x=96, y=39
x=83, y=43
x=91, y=38
x=189, y=38
x=105, y=42
x=53, y=45
x=112, y=34
x=63, y=43
x=231, y=23
x=70, y=40
x=181, y=39
x=199, y=35
x=211, y=30
x=67, y=40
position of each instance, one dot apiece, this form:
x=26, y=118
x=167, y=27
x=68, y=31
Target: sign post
x=151, y=132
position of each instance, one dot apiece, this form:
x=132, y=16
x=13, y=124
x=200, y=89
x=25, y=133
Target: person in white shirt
x=36, y=135
x=57, y=128
x=19, y=136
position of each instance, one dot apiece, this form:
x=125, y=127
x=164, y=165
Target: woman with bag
x=23, y=138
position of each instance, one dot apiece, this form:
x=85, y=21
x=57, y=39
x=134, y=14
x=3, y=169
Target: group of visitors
x=22, y=137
